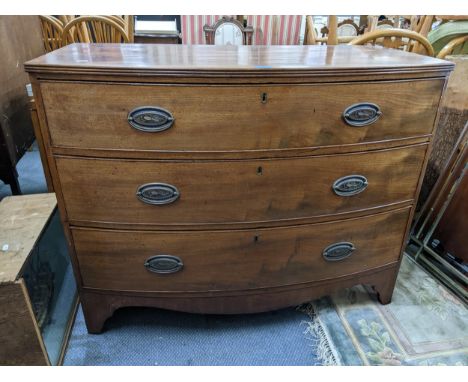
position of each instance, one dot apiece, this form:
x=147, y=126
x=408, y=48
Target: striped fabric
x=192, y=27
x=268, y=29
x=285, y=32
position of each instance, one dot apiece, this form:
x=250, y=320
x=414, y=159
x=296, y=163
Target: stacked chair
x=63, y=30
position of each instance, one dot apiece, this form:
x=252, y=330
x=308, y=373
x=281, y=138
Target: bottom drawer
x=237, y=259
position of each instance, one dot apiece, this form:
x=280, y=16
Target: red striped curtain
x=285, y=32
x=192, y=27
x=268, y=29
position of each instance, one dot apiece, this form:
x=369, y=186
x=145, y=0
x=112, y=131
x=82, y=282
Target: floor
x=31, y=175
x=146, y=336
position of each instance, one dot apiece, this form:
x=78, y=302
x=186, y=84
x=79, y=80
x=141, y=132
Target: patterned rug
x=424, y=325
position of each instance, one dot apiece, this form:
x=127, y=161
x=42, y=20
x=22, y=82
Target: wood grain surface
x=238, y=259
x=216, y=192
x=22, y=219
x=242, y=61
x=20, y=340
x=99, y=305
x=211, y=119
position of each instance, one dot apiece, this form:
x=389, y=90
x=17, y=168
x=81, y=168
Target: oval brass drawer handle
x=150, y=119
x=362, y=114
x=157, y=193
x=338, y=251
x=350, y=185
x=164, y=264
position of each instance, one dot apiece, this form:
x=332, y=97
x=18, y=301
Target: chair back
x=228, y=31
x=330, y=33
x=397, y=39
x=422, y=24
x=130, y=27
x=347, y=28
x=457, y=42
x=127, y=22
x=52, y=30
x=385, y=24
x=310, y=34
x=99, y=29
x=118, y=19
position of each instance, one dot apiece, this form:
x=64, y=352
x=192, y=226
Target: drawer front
x=238, y=259
x=243, y=118
x=214, y=192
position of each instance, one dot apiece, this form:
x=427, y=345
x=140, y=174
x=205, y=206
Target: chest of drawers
x=228, y=179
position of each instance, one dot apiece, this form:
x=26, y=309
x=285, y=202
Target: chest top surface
x=259, y=60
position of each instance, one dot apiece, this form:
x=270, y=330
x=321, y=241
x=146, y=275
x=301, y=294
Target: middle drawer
x=215, y=192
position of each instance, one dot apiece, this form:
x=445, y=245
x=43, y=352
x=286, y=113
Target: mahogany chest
x=224, y=179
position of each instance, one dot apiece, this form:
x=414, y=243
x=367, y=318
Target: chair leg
x=10, y=177
x=14, y=185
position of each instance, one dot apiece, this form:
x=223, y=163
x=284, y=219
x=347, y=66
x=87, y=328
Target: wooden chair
x=332, y=38
x=422, y=24
x=99, y=29
x=449, y=48
x=118, y=19
x=373, y=23
x=65, y=19
x=127, y=22
x=130, y=27
x=228, y=31
x=347, y=28
x=397, y=39
x=52, y=30
x=385, y=24
x=310, y=36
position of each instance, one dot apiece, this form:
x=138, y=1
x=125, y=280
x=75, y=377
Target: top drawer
x=236, y=118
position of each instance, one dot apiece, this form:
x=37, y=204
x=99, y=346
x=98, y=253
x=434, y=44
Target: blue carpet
x=145, y=336
x=31, y=175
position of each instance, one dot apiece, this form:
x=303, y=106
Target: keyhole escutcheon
x=264, y=97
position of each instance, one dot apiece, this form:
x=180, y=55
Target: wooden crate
x=31, y=234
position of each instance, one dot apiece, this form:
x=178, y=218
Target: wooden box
x=38, y=297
